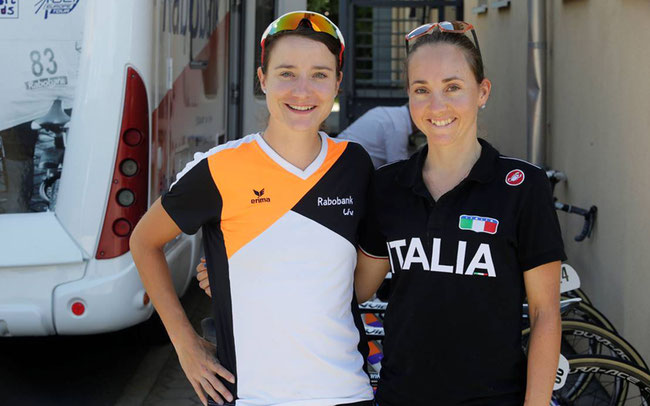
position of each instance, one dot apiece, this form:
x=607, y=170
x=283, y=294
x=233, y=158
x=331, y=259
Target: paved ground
x=102, y=370
x=159, y=379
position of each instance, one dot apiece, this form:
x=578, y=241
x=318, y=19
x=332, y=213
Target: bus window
x=264, y=15
x=40, y=48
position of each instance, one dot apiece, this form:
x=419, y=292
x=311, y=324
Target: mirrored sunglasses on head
x=454, y=27
x=291, y=21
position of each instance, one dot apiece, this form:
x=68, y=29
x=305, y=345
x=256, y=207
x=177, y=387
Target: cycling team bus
x=101, y=104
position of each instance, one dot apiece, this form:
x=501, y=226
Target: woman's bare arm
x=369, y=274
x=543, y=292
x=196, y=355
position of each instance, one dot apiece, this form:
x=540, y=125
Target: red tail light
x=78, y=308
x=127, y=201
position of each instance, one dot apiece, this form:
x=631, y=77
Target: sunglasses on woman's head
x=454, y=27
x=291, y=21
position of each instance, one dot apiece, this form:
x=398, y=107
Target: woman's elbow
x=139, y=241
x=363, y=296
x=135, y=240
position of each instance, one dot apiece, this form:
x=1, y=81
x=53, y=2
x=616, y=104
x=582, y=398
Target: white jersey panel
x=295, y=335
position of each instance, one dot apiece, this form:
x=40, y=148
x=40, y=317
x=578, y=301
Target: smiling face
x=300, y=84
x=444, y=96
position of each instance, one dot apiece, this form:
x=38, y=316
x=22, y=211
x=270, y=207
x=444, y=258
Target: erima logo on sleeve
x=259, y=198
x=481, y=263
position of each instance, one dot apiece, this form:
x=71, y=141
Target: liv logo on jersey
x=478, y=224
x=8, y=8
x=515, y=177
x=55, y=7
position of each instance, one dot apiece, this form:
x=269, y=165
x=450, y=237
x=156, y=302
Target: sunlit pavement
x=159, y=380
x=118, y=368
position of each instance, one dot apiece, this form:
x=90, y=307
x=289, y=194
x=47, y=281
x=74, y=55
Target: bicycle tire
x=613, y=383
x=618, y=346
x=587, y=312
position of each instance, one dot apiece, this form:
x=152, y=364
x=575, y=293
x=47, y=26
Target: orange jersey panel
x=256, y=191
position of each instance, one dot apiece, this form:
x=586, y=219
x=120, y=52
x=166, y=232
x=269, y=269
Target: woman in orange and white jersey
x=279, y=211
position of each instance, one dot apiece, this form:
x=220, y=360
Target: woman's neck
x=298, y=148
x=446, y=166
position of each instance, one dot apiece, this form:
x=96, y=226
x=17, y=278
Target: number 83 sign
x=39, y=63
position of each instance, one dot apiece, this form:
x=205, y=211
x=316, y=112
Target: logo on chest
x=260, y=197
x=412, y=253
x=515, y=177
x=478, y=224
x=337, y=201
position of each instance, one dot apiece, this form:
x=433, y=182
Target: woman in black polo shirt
x=468, y=234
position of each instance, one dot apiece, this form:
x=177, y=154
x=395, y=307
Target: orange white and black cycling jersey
x=280, y=245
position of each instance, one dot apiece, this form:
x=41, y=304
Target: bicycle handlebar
x=589, y=215
x=555, y=177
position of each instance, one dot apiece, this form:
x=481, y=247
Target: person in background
x=383, y=132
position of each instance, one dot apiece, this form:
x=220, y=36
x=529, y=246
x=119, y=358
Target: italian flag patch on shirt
x=478, y=224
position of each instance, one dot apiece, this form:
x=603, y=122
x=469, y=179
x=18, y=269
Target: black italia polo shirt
x=453, y=325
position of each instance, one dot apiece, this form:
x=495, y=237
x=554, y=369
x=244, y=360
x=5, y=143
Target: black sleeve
x=193, y=199
x=538, y=230
x=372, y=240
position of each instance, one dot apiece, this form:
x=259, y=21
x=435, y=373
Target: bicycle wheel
x=579, y=337
x=612, y=382
x=578, y=333
x=587, y=312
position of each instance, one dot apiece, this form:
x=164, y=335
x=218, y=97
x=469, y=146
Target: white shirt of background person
x=383, y=132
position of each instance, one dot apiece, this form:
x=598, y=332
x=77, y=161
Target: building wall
x=599, y=112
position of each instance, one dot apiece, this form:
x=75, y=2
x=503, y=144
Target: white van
x=101, y=104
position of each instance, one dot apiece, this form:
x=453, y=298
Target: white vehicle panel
x=101, y=286
x=108, y=50
x=35, y=239
x=39, y=62
x=26, y=297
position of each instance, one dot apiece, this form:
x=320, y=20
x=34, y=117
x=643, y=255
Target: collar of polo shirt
x=483, y=170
